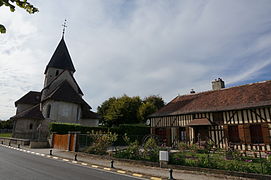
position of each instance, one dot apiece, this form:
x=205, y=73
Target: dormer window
x=57, y=72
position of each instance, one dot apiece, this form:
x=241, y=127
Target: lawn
x=5, y=135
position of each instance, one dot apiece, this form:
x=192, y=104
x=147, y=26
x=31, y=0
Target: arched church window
x=31, y=126
x=48, y=112
x=57, y=72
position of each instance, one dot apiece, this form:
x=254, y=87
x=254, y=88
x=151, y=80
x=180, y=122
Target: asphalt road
x=17, y=165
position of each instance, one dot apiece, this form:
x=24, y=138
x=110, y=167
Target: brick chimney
x=218, y=84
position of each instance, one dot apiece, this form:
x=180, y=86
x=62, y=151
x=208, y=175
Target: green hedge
x=64, y=128
x=133, y=131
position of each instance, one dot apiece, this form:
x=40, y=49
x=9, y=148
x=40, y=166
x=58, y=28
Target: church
x=60, y=100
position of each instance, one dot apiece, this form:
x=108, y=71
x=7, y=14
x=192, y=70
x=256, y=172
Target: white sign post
x=163, y=158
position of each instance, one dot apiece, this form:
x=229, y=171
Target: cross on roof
x=64, y=27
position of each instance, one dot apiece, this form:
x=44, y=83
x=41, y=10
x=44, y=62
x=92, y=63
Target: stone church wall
x=62, y=111
x=25, y=128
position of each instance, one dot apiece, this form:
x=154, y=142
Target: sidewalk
x=134, y=168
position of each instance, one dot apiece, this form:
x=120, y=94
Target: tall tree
x=19, y=3
x=128, y=110
x=122, y=110
x=145, y=110
x=156, y=100
x=150, y=105
x=103, y=109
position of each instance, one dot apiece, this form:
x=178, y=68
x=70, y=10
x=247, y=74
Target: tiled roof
x=31, y=113
x=65, y=92
x=55, y=82
x=31, y=97
x=200, y=122
x=61, y=58
x=87, y=114
x=239, y=97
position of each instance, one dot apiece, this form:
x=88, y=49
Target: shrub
x=177, y=158
x=267, y=167
x=182, y=146
x=101, y=142
x=151, y=150
x=132, y=152
x=193, y=147
x=208, y=161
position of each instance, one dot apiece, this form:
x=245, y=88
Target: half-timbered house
x=237, y=116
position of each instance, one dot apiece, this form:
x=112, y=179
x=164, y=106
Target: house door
x=201, y=133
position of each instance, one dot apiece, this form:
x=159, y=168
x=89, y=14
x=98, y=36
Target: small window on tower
x=31, y=126
x=57, y=72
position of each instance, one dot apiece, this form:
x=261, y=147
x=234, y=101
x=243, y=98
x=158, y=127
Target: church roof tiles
x=55, y=83
x=31, y=113
x=65, y=92
x=61, y=58
x=32, y=98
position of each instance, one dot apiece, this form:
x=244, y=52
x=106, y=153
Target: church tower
x=60, y=61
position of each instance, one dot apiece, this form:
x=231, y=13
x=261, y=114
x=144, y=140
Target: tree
x=128, y=110
x=145, y=110
x=6, y=124
x=19, y=3
x=122, y=110
x=103, y=109
x=150, y=105
x=156, y=100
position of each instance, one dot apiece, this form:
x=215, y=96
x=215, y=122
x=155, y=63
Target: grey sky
x=136, y=47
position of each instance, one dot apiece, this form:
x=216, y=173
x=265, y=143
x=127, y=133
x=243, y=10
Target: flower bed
x=218, y=161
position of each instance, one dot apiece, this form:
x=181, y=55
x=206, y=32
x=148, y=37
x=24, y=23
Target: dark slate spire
x=61, y=58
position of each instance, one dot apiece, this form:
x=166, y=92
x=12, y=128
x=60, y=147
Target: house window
x=233, y=134
x=31, y=126
x=218, y=117
x=256, y=133
x=57, y=72
x=182, y=134
x=48, y=111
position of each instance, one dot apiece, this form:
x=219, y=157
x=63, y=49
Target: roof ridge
x=245, y=96
x=222, y=89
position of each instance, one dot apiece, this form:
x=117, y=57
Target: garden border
x=190, y=169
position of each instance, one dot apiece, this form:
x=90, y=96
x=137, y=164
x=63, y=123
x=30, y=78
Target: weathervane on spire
x=64, y=27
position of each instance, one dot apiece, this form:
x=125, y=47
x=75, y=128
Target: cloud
x=139, y=47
